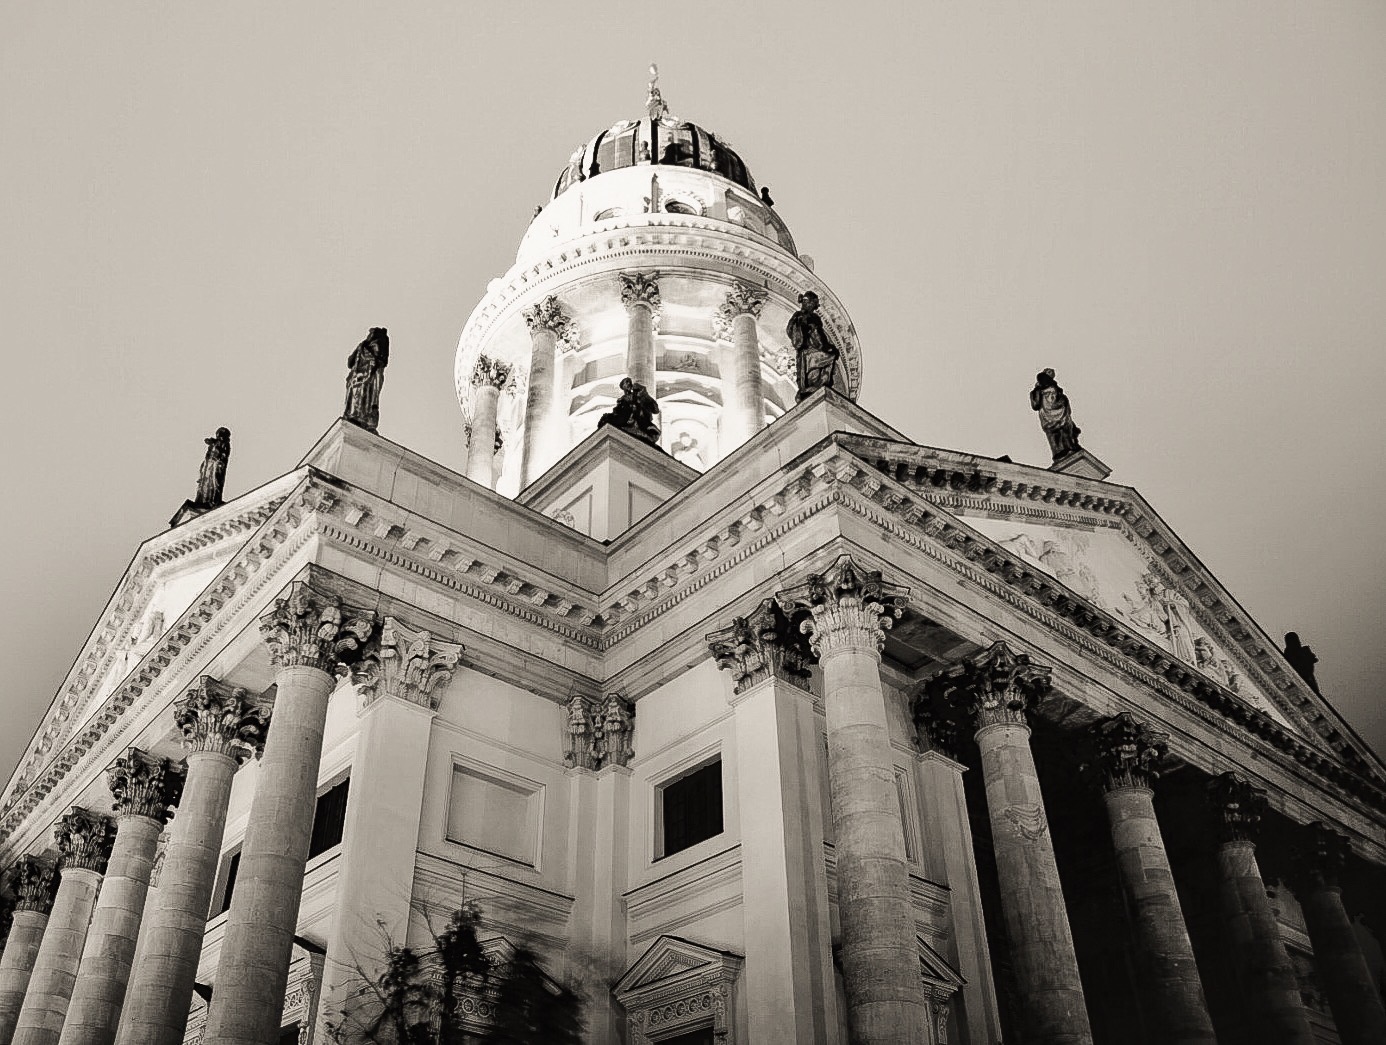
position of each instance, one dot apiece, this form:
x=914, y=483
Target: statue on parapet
x=1055, y=416
x=634, y=412
x=1302, y=659
x=365, y=376
x=815, y=356
x=211, y=477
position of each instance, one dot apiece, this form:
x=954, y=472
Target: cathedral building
x=757, y=720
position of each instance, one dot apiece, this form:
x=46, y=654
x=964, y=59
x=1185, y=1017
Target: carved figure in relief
x=579, y=753
x=685, y=449
x=1302, y=659
x=211, y=478
x=633, y=412
x=815, y=355
x=1055, y=417
x=1208, y=660
x=365, y=376
x=1061, y=557
x=616, y=743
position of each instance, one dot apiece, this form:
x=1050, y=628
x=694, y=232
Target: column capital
x=580, y=752
x=936, y=725
x=994, y=687
x=761, y=646
x=84, y=839
x=222, y=719
x=495, y=373
x=1239, y=805
x=310, y=627
x=406, y=663
x=744, y=299
x=143, y=785
x=640, y=289
x=549, y=314
x=1127, y=752
x=1321, y=856
x=614, y=733
x=33, y=883
x=849, y=608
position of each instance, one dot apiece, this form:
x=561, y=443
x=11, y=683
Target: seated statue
x=634, y=412
x=816, y=357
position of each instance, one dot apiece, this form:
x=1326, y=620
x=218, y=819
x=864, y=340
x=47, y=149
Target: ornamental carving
x=406, y=663
x=849, y=608
x=1127, y=753
x=1321, y=856
x=744, y=299
x=221, y=719
x=761, y=646
x=937, y=726
x=551, y=316
x=309, y=627
x=580, y=750
x=496, y=373
x=84, y=840
x=640, y=288
x=614, y=743
x=143, y=785
x=33, y=883
x=996, y=686
x=1239, y=804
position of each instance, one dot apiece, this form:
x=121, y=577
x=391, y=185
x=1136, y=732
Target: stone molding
x=549, y=314
x=143, y=785
x=406, y=663
x=1127, y=752
x=221, y=719
x=744, y=299
x=1320, y=856
x=996, y=687
x=84, y=840
x=33, y=883
x=309, y=627
x=762, y=646
x=1239, y=806
x=640, y=289
x=850, y=608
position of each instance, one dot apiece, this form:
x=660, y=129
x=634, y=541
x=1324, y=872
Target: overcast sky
x=1178, y=205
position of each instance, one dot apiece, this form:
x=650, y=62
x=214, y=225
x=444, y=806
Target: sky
x=1178, y=205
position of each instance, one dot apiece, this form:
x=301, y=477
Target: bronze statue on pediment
x=211, y=477
x=633, y=412
x=1055, y=415
x=815, y=356
x=365, y=376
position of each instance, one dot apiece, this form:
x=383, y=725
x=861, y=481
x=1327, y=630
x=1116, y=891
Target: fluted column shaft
x=481, y=451
x=55, y=967
x=254, y=968
x=17, y=966
x=1164, y=952
x=880, y=956
x=161, y=986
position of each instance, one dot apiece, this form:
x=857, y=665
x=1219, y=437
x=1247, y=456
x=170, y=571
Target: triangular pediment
x=669, y=960
x=935, y=969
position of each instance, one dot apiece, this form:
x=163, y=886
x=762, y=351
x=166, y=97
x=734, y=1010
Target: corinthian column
x=1269, y=985
x=1352, y=996
x=221, y=728
x=548, y=324
x=145, y=790
x=32, y=882
x=789, y=962
x=309, y=633
x=743, y=396
x=849, y=611
x=997, y=688
x=640, y=295
x=1127, y=755
x=489, y=377
x=84, y=842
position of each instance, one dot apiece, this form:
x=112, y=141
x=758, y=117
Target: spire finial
x=654, y=102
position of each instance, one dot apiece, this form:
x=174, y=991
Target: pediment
x=935, y=970
x=671, y=960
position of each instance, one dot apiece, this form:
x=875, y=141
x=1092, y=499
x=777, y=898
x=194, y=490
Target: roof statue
x=633, y=412
x=654, y=101
x=1302, y=659
x=815, y=355
x=1055, y=416
x=365, y=376
x=211, y=477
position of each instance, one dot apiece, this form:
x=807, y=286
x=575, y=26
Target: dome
x=659, y=139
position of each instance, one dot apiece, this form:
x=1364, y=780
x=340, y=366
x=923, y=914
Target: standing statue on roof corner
x=211, y=477
x=365, y=376
x=1055, y=416
x=816, y=357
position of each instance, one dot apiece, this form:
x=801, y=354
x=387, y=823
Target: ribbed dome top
x=664, y=141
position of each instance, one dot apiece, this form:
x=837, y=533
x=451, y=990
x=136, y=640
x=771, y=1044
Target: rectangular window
x=233, y=865
x=329, y=819
x=495, y=812
x=289, y=1035
x=691, y=809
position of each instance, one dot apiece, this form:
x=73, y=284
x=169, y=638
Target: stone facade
x=844, y=739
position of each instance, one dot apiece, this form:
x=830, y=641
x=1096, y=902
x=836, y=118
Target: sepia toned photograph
x=619, y=523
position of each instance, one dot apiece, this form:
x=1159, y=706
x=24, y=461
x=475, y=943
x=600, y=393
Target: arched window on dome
x=672, y=206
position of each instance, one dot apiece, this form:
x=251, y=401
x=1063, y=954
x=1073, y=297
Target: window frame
x=683, y=772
